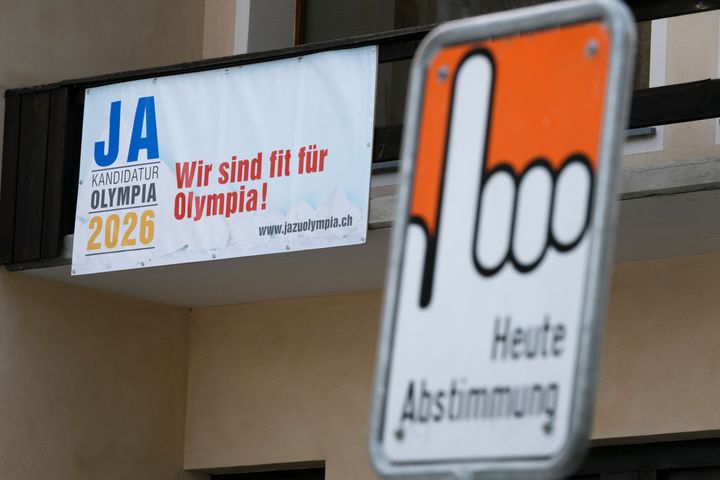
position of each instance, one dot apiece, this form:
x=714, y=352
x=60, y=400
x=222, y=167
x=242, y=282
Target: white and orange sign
x=498, y=276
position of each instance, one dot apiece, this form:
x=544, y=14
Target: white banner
x=256, y=159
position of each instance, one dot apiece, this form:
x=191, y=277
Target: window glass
x=332, y=19
x=324, y=20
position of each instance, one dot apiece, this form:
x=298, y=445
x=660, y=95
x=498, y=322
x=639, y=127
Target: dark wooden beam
x=652, y=107
x=8, y=187
x=71, y=171
x=54, y=173
x=678, y=103
x=30, y=196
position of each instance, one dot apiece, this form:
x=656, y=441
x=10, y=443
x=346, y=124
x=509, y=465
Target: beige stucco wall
x=93, y=384
x=219, y=28
x=45, y=40
x=285, y=381
x=290, y=381
x=661, y=355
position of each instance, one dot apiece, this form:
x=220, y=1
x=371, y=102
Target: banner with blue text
x=256, y=159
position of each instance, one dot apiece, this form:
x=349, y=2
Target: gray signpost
x=500, y=258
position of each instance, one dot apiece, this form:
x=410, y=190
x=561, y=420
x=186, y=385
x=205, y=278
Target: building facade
x=265, y=364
